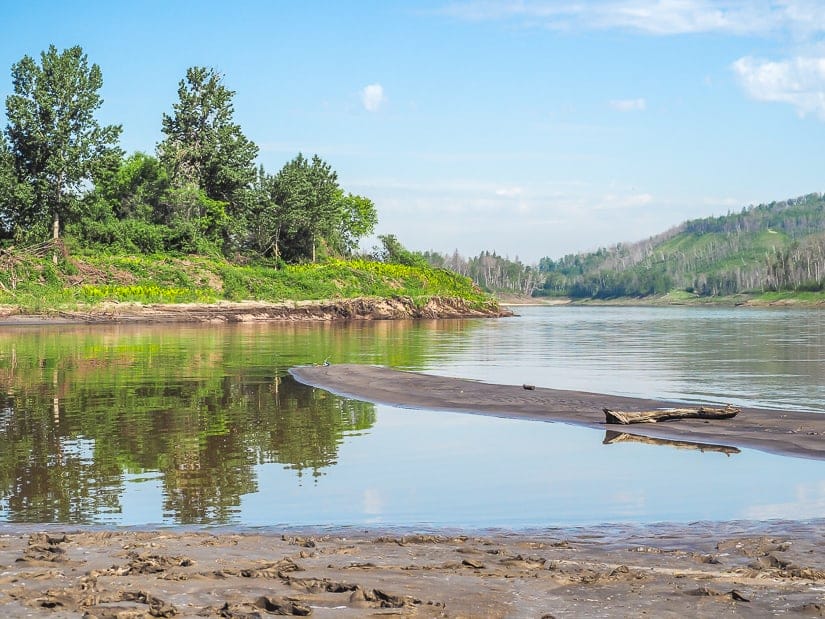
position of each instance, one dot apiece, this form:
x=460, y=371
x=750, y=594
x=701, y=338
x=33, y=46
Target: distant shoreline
x=800, y=302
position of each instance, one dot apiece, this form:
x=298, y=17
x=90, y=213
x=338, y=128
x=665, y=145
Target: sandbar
x=792, y=433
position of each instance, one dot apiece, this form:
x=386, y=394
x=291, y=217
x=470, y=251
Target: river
x=202, y=425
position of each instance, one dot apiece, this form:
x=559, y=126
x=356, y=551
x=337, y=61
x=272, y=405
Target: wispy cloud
x=799, y=81
x=373, y=97
x=654, y=17
x=629, y=105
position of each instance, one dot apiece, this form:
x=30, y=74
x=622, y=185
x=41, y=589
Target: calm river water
x=147, y=425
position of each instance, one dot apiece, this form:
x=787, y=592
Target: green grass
x=37, y=285
x=801, y=297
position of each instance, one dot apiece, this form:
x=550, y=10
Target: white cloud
x=799, y=81
x=654, y=17
x=668, y=17
x=509, y=192
x=373, y=97
x=629, y=105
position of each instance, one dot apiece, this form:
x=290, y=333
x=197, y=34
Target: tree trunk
x=619, y=417
x=55, y=235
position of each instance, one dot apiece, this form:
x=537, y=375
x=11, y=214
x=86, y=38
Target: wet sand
x=700, y=570
x=783, y=432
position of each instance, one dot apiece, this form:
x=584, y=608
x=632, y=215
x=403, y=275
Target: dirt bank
x=707, y=570
x=785, y=432
x=396, y=308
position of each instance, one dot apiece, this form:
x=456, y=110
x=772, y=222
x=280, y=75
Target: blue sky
x=533, y=128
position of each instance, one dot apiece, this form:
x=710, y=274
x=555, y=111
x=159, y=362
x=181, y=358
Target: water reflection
x=135, y=425
x=611, y=437
x=77, y=413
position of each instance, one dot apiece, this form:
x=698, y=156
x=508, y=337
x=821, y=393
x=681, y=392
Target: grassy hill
x=31, y=281
x=772, y=247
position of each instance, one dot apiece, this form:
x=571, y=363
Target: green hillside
x=772, y=247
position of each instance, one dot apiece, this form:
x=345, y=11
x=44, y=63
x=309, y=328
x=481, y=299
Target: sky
x=530, y=128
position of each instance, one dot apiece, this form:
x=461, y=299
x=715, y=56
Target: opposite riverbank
x=814, y=300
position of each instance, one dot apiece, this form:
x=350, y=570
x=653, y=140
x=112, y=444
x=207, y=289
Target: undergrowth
x=36, y=284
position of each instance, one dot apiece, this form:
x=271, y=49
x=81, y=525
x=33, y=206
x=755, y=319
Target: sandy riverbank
x=701, y=570
x=365, y=308
x=784, y=432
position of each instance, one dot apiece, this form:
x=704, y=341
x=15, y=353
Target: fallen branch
x=669, y=414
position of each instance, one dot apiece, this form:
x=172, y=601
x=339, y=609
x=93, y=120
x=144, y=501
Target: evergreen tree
x=203, y=144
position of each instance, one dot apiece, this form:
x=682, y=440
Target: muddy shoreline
x=700, y=570
x=782, y=432
x=364, y=308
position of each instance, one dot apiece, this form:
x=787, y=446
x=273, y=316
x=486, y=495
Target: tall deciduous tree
x=55, y=140
x=356, y=218
x=203, y=144
x=307, y=191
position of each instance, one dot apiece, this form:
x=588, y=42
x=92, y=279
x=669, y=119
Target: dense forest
x=770, y=247
x=63, y=175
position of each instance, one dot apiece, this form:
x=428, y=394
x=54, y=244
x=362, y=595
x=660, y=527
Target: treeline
x=62, y=173
x=491, y=272
x=771, y=247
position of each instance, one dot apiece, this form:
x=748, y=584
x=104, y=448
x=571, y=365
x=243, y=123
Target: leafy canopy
x=203, y=144
x=54, y=138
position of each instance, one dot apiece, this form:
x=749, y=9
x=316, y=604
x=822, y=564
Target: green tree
x=54, y=137
x=307, y=192
x=266, y=218
x=137, y=187
x=203, y=144
x=394, y=252
x=14, y=195
x=127, y=208
x=356, y=219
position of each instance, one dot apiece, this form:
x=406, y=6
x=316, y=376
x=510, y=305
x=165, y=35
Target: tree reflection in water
x=202, y=409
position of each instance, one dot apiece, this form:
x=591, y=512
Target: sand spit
x=783, y=432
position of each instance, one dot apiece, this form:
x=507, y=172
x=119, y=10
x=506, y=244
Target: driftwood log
x=669, y=414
